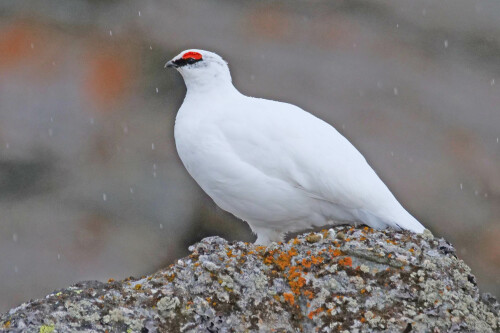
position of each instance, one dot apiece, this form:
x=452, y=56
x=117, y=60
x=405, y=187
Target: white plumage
x=272, y=164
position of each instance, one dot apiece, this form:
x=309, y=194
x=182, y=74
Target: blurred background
x=91, y=186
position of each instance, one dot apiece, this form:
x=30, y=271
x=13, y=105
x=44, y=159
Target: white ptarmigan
x=272, y=164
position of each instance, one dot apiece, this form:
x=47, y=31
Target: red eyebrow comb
x=194, y=55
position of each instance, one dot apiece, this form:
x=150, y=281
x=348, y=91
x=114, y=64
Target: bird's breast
x=200, y=145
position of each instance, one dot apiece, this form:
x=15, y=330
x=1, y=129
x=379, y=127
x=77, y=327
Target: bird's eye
x=188, y=58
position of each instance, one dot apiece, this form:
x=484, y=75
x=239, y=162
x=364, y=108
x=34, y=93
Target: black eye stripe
x=183, y=62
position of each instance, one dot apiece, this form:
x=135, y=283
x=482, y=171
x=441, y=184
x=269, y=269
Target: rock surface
x=341, y=280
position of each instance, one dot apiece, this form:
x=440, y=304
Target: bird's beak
x=170, y=64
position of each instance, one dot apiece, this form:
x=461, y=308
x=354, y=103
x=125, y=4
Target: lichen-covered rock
x=341, y=280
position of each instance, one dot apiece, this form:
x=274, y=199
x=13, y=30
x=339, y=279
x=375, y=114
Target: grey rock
x=366, y=281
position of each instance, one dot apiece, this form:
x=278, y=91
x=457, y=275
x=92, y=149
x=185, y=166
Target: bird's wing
x=288, y=143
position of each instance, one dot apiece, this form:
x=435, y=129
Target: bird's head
x=201, y=69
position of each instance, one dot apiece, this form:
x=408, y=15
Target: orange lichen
x=297, y=284
x=268, y=260
x=138, y=286
x=306, y=263
x=283, y=260
x=293, y=273
x=411, y=250
x=295, y=280
x=347, y=261
x=289, y=298
x=309, y=294
x=315, y=312
x=316, y=260
x=335, y=252
x=111, y=280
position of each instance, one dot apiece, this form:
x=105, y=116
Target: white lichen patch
x=168, y=303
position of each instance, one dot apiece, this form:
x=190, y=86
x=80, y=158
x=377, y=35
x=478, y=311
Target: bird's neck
x=213, y=83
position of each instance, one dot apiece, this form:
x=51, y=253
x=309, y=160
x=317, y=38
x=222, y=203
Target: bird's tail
x=401, y=220
x=408, y=222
